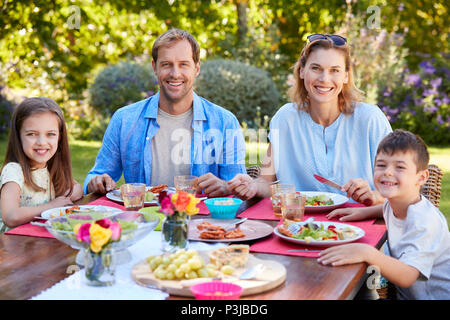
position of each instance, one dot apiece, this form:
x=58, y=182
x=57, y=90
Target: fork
x=295, y=227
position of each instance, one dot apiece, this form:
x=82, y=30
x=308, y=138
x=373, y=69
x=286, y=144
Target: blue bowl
x=223, y=211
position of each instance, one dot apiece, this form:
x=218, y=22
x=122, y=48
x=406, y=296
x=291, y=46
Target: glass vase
x=99, y=267
x=174, y=234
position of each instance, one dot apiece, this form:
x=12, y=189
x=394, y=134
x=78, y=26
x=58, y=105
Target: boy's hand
x=345, y=254
x=347, y=214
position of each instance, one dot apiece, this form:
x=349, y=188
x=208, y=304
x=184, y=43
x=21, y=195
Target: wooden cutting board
x=273, y=274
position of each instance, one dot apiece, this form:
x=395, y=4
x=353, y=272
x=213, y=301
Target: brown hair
x=174, y=35
x=349, y=94
x=59, y=166
x=401, y=140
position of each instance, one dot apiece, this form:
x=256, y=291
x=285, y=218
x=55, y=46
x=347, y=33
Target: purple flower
x=413, y=79
x=438, y=102
x=435, y=83
x=431, y=109
x=427, y=67
x=429, y=92
x=439, y=119
x=418, y=102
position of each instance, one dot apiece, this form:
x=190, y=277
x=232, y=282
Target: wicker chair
x=254, y=171
x=432, y=191
x=432, y=188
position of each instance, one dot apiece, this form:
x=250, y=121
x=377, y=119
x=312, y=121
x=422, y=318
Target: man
x=174, y=132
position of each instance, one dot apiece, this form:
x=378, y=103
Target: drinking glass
x=292, y=207
x=186, y=183
x=133, y=195
x=276, y=190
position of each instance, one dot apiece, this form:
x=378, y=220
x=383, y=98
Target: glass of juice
x=276, y=190
x=292, y=207
x=133, y=195
x=185, y=183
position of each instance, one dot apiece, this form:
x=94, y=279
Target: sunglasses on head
x=337, y=40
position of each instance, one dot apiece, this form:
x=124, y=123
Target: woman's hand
x=212, y=185
x=359, y=190
x=243, y=186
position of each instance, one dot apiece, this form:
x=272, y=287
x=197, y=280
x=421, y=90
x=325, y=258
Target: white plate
x=339, y=200
x=360, y=233
x=114, y=195
x=55, y=212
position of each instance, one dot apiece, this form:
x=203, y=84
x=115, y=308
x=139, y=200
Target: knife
x=327, y=182
x=366, y=202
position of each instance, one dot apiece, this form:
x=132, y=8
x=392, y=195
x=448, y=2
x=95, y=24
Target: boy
x=418, y=246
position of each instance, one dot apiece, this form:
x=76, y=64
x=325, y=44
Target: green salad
x=312, y=232
x=320, y=200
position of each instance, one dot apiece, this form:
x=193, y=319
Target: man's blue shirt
x=217, y=144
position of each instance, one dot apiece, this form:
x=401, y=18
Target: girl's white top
x=13, y=172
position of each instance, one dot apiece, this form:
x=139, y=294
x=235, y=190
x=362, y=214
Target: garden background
x=93, y=57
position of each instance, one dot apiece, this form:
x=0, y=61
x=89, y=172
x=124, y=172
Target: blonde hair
x=349, y=95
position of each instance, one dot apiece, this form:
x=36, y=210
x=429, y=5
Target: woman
x=325, y=130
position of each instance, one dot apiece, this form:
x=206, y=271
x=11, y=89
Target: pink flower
x=116, y=231
x=83, y=233
x=166, y=206
x=105, y=223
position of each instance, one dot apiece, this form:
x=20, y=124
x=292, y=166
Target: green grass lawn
x=84, y=154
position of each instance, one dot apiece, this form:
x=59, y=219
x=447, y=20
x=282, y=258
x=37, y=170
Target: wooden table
x=29, y=265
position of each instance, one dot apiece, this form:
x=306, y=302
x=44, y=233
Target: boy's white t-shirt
x=422, y=241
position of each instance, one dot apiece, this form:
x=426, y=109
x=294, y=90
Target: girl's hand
x=345, y=254
x=243, y=186
x=359, y=190
x=61, y=202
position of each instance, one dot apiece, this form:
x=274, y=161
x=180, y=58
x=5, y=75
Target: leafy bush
x=240, y=88
x=6, y=109
x=420, y=101
x=122, y=84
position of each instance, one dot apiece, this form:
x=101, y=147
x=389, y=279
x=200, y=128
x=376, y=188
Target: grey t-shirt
x=171, y=147
x=422, y=241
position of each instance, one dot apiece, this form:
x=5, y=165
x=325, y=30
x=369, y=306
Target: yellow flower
x=191, y=208
x=99, y=237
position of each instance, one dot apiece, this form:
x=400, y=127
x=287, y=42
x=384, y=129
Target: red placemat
x=263, y=211
x=276, y=245
x=30, y=230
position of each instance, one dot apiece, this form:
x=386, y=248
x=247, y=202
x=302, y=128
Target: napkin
x=274, y=244
x=30, y=230
x=263, y=210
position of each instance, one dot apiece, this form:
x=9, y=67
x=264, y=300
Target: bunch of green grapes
x=183, y=264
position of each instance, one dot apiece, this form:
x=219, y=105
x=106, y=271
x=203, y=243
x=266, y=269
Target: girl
x=325, y=130
x=36, y=174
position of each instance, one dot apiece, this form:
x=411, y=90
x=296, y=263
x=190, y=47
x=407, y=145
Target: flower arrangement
x=178, y=206
x=98, y=234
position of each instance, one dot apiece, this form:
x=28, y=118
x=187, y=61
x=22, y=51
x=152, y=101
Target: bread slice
x=234, y=255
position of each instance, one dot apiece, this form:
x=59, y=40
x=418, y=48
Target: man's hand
x=243, y=186
x=101, y=184
x=212, y=186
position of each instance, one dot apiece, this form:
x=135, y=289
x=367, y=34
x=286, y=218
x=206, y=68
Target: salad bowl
x=135, y=226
